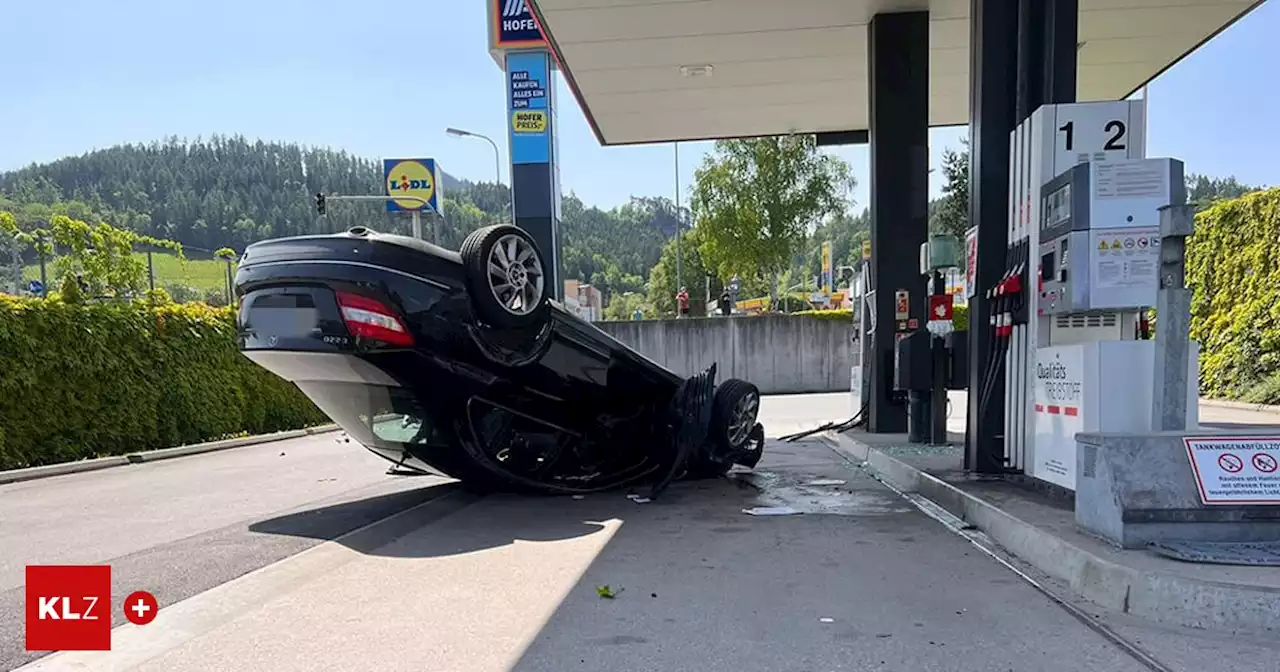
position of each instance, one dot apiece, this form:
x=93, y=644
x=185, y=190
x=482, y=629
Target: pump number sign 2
x=1236, y=469
x=1090, y=132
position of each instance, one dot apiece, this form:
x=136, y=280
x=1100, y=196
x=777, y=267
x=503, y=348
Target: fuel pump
x=1046, y=144
x=1098, y=261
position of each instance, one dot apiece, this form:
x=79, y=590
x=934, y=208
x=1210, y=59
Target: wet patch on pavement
x=807, y=477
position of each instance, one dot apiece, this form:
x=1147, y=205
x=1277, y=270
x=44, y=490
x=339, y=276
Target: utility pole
x=497, y=160
x=679, y=262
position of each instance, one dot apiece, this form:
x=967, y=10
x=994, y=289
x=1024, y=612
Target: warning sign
x=1129, y=260
x=901, y=305
x=1236, y=470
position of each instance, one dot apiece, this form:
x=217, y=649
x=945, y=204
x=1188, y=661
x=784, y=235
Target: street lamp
x=497, y=159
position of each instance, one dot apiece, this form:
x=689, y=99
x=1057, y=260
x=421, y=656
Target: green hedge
x=82, y=381
x=1233, y=266
x=960, y=315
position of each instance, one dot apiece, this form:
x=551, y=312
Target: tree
x=98, y=254
x=1204, y=191
x=846, y=233
x=230, y=192
x=623, y=306
x=755, y=201
x=951, y=214
x=663, y=284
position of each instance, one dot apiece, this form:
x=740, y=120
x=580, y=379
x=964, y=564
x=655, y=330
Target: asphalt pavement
x=304, y=555
x=181, y=526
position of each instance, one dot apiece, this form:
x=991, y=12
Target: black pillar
x=1031, y=23
x=1047, y=41
x=1061, y=40
x=898, y=58
x=994, y=81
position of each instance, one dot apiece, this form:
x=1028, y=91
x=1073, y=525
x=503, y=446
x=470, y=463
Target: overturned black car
x=457, y=363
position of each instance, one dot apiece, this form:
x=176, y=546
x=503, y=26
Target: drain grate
x=1265, y=553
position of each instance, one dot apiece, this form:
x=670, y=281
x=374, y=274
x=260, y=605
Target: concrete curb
x=49, y=470
x=1239, y=406
x=1158, y=596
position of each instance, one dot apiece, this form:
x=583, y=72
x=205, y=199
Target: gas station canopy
x=664, y=70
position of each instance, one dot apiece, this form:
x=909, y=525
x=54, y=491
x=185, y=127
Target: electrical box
x=1100, y=234
x=941, y=251
x=912, y=363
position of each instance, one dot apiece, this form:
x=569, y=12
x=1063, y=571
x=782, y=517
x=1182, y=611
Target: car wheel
x=506, y=276
x=733, y=414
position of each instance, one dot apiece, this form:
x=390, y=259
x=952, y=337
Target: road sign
x=411, y=177
x=1235, y=470
x=35, y=287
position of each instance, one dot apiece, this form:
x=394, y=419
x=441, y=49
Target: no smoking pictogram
x=1230, y=463
x=1264, y=463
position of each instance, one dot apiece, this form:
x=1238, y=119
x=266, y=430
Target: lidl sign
x=516, y=26
x=411, y=177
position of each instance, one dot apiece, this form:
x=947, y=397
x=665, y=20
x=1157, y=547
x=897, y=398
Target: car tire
x=733, y=414
x=733, y=398
x=512, y=301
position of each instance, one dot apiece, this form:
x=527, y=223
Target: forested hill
x=229, y=192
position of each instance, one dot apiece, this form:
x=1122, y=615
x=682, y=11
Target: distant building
x=583, y=300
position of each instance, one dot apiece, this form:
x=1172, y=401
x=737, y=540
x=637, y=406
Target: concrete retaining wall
x=780, y=354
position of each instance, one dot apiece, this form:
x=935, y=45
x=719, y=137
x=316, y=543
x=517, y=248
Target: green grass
x=202, y=274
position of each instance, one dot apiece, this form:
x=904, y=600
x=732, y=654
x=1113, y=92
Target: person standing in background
x=682, y=297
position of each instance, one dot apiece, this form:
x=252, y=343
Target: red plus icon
x=140, y=607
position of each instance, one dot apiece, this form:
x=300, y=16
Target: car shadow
x=423, y=522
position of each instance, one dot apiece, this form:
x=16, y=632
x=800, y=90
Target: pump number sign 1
x=1236, y=469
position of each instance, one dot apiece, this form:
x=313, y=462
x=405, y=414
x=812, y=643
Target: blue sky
x=84, y=74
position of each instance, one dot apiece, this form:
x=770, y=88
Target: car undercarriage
x=442, y=363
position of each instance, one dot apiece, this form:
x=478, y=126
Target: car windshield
x=376, y=415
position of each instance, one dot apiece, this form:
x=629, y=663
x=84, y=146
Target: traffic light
x=320, y=203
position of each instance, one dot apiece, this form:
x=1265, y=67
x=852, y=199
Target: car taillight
x=370, y=318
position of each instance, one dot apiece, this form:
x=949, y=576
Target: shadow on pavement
x=1239, y=427
x=424, y=530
